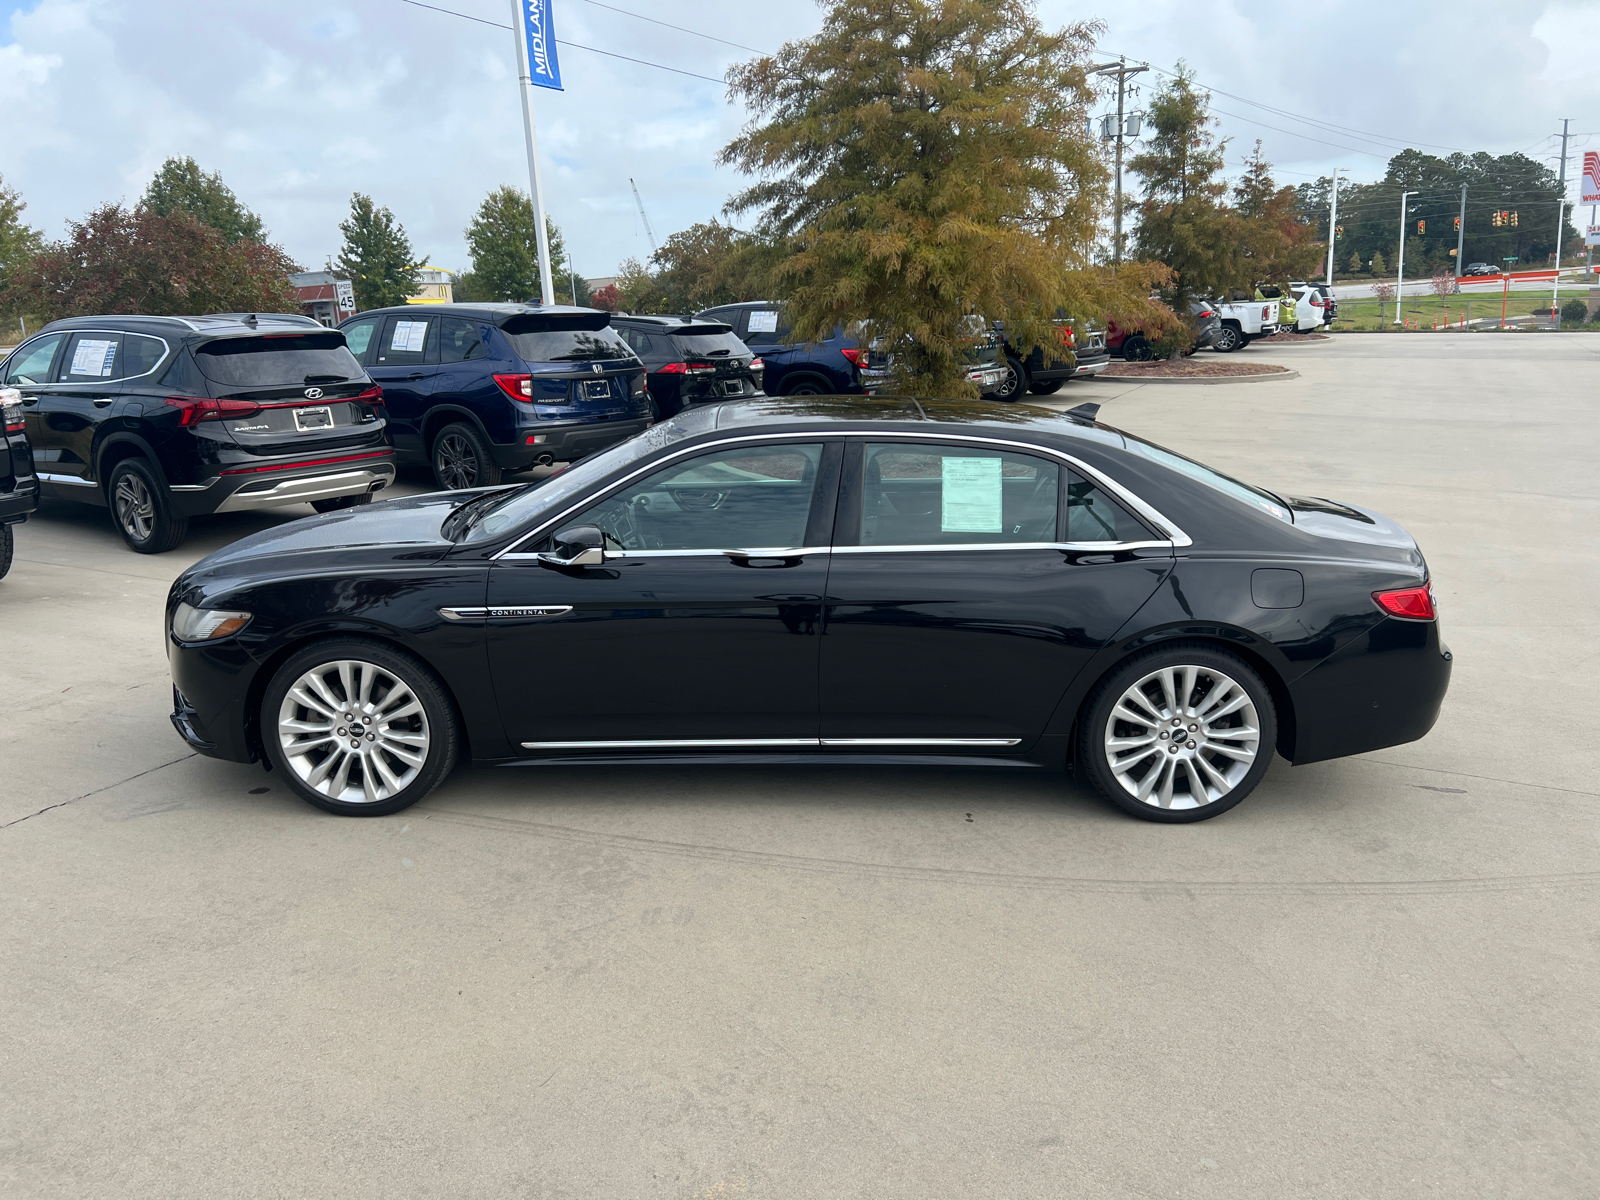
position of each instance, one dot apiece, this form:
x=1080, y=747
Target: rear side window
x=278, y=361
x=141, y=354
x=709, y=345
x=405, y=342
x=921, y=495
x=460, y=341
x=31, y=364
x=92, y=358
x=767, y=327
x=576, y=338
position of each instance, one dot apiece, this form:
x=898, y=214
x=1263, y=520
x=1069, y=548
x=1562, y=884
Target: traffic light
x=1513, y=219
x=1422, y=228
x=1338, y=233
x=1458, y=225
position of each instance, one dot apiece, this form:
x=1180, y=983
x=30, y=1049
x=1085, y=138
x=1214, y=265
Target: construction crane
x=648, y=232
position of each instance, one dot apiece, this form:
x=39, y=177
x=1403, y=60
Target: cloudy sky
x=301, y=102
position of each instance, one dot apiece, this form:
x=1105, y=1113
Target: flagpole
x=519, y=25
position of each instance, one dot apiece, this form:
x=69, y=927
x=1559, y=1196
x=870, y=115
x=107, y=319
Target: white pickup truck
x=1243, y=320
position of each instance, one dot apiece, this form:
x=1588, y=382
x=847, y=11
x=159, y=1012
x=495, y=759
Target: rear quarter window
x=278, y=361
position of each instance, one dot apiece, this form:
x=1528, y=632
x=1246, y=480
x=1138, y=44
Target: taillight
x=1315, y=303
x=373, y=395
x=194, y=409
x=1413, y=604
x=678, y=368
x=856, y=355
x=1265, y=311
x=518, y=387
x=1206, y=313
x=11, y=410
x=757, y=365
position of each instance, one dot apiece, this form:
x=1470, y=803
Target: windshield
x=278, y=361
x=565, y=338
x=1255, y=497
x=707, y=345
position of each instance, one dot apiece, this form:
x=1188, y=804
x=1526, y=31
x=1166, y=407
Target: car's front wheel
x=1015, y=383
x=142, y=508
x=1180, y=733
x=1137, y=349
x=1227, y=340
x=1045, y=387
x=358, y=728
x=7, y=546
x=462, y=459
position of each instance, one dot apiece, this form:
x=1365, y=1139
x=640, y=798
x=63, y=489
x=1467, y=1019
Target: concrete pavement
x=1375, y=977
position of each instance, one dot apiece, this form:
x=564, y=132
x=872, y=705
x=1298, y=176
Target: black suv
x=477, y=389
x=19, y=488
x=691, y=361
x=166, y=418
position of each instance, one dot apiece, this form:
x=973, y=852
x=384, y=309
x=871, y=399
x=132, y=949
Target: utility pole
x=1561, y=225
x=1123, y=72
x=1333, y=219
x=1461, y=232
x=1400, y=280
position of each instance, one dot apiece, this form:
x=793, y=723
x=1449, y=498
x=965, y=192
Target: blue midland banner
x=543, y=68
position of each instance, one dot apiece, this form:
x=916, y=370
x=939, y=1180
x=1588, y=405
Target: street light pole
x=1333, y=218
x=1400, y=280
x=1461, y=231
x=1561, y=225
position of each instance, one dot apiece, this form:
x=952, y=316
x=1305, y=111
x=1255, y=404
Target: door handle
x=29, y=401
x=765, y=558
x=102, y=403
x=414, y=378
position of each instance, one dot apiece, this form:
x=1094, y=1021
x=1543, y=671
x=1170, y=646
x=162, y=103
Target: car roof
x=211, y=324
x=499, y=313
x=743, y=304
x=783, y=414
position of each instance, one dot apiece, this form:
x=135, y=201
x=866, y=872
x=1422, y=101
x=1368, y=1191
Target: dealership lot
x=1376, y=976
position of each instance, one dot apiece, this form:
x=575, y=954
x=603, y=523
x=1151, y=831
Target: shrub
x=1574, y=312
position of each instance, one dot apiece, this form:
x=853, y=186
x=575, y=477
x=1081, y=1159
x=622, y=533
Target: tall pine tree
x=181, y=186
x=505, y=253
x=377, y=256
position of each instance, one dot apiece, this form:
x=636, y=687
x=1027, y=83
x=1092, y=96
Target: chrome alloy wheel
x=135, y=507
x=455, y=461
x=1182, y=737
x=353, y=732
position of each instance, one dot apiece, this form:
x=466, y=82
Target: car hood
x=405, y=528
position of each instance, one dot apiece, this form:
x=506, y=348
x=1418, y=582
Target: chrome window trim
x=738, y=743
x=166, y=349
x=758, y=552
x=1071, y=547
x=1177, y=538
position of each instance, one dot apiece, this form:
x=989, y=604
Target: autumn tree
x=139, y=261
x=504, y=246
x=606, y=298
x=1183, y=219
x=1276, y=244
x=920, y=161
x=710, y=264
x=377, y=256
x=180, y=186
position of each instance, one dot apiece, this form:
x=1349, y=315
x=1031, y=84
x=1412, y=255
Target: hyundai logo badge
x=313, y=393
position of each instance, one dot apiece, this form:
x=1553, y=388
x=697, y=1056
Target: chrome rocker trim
x=737, y=743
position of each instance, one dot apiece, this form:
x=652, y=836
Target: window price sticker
x=970, y=497
x=763, y=322
x=409, y=336
x=94, y=357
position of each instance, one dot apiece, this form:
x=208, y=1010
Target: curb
x=1298, y=345
x=1215, y=379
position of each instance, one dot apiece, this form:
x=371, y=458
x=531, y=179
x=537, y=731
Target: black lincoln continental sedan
x=827, y=579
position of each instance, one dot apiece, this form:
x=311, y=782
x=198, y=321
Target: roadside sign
x=1591, y=178
x=543, y=68
x=1592, y=238
x=345, y=293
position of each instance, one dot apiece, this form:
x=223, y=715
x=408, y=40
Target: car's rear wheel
x=1045, y=387
x=462, y=459
x=1137, y=349
x=1176, y=734
x=7, y=546
x=141, y=508
x=805, y=387
x=1227, y=340
x=1015, y=382
x=335, y=503
x=358, y=728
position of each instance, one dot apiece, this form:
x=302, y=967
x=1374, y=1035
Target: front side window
x=767, y=327
x=31, y=364
x=922, y=495
x=754, y=497
x=92, y=358
x=358, y=335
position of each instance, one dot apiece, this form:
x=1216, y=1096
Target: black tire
x=1137, y=349
x=1015, y=384
x=141, y=508
x=805, y=387
x=337, y=503
x=1045, y=387
x=462, y=459
x=1227, y=340
x=8, y=544
x=435, y=724
x=1177, y=774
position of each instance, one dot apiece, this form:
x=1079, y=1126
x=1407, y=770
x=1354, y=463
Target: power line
x=679, y=28
x=561, y=42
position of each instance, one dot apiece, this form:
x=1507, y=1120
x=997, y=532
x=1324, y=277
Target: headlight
x=191, y=624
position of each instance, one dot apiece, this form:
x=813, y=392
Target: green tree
x=19, y=242
x=637, y=290
x=920, y=161
x=1354, y=265
x=121, y=261
x=710, y=264
x=181, y=186
x=1379, y=266
x=505, y=252
x=1183, y=221
x=377, y=256
x=1277, y=244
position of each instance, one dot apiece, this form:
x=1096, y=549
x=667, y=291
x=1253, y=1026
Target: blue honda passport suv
x=474, y=390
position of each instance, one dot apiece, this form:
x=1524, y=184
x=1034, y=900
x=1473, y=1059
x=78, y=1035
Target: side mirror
x=577, y=546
